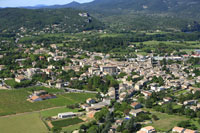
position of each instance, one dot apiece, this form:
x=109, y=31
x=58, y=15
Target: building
x=190, y=102
x=148, y=129
x=182, y=130
x=66, y=115
x=94, y=108
x=40, y=92
x=136, y=112
x=112, y=70
x=167, y=99
x=136, y=105
x=190, y=131
x=90, y=101
x=35, y=98
x=2, y=67
x=20, y=78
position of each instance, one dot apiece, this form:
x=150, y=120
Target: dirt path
x=31, y=112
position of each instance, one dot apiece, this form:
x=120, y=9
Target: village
x=139, y=80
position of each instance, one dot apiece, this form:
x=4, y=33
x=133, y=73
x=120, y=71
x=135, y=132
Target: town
x=131, y=95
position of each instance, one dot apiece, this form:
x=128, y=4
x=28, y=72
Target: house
x=111, y=93
x=40, y=92
x=113, y=129
x=183, y=130
x=136, y=112
x=2, y=67
x=190, y=102
x=138, y=86
x=190, y=131
x=147, y=94
x=35, y=98
x=136, y=105
x=148, y=129
x=167, y=99
x=178, y=129
x=118, y=122
x=59, y=85
x=66, y=115
x=84, y=106
x=122, y=96
x=20, y=78
x=90, y=101
x=94, y=108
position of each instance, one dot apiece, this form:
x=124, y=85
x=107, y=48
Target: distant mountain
x=70, y=5
x=48, y=20
x=34, y=7
x=190, y=8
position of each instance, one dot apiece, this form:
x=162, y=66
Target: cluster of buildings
x=40, y=96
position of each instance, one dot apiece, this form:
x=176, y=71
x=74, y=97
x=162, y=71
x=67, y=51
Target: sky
x=18, y=3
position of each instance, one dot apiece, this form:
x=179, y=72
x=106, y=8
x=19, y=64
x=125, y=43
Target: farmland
x=66, y=122
x=27, y=123
x=14, y=101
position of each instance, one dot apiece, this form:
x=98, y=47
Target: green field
x=66, y=122
x=10, y=82
x=166, y=122
x=54, y=112
x=27, y=123
x=14, y=101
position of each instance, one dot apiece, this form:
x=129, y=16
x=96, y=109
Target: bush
x=155, y=118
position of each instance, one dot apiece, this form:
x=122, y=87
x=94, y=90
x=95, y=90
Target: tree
x=155, y=118
x=130, y=125
x=93, y=129
x=56, y=129
x=100, y=116
x=169, y=109
x=83, y=127
x=148, y=104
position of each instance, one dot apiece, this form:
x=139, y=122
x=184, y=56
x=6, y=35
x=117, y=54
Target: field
x=11, y=82
x=66, y=122
x=14, y=101
x=54, y=112
x=27, y=123
x=166, y=122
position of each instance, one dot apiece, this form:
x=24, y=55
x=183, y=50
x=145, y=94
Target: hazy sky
x=17, y=3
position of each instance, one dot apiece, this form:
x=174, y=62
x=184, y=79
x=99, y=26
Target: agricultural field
x=26, y=123
x=66, y=122
x=14, y=101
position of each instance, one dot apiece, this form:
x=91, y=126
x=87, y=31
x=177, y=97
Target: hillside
x=190, y=8
x=143, y=14
x=48, y=20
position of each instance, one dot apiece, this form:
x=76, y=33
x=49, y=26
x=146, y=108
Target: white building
x=66, y=115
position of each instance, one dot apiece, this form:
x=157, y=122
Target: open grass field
x=14, y=101
x=66, y=122
x=27, y=123
x=166, y=122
